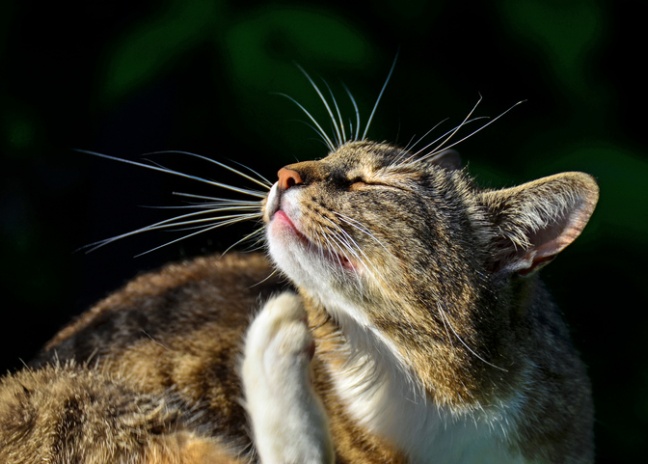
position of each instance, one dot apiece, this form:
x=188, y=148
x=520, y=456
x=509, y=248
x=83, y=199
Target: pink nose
x=288, y=178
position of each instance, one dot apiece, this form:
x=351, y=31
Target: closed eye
x=359, y=183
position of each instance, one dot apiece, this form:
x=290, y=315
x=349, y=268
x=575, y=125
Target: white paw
x=288, y=419
x=279, y=345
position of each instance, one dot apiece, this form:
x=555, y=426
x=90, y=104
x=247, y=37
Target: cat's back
x=218, y=292
x=147, y=370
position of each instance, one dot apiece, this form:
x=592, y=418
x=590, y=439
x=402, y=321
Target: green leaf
x=565, y=32
x=270, y=40
x=156, y=44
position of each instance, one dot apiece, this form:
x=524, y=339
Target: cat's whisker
x=348, y=243
x=261, y=180
x=178, y=221
x=160, y=168
x=409, y=145
x=360, y=227
x=458, y=127
x=200, y=231
x=207, y=213
x=318, y=129
x=373, y=271
x=201, y=223
x=357, y=114
x=340, y=121
x=332, y=246
x=257, y=244
x=212, y=207
x=441, y=146
x=343, y=240
x=348, y=247
x=168, y=225
x=420, y=139
x=380, y=94
x=334, y=243
x=220, y=200
x=337, y=134
x=274, y=272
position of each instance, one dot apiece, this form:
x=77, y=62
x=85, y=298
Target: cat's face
x=369, y=226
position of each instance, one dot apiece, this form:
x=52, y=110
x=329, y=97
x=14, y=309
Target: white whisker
x=382, y=90
x=411, y=147
x=416, y=156
x=318, y=129
x=360, y=227
x=201, y=231
x=348, y=243
x=338, y=135
x=441, y=147
x=156, y=167
x=261, y=181
x=340, y=121
x=216, y=206
x=357, y=114
x=456, y=129
x=257, y=244
x=206, y=213
x=262, y=178
x=169, y=224
x=274, y=271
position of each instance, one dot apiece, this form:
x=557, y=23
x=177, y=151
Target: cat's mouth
x=282, y=220
x=282, y=217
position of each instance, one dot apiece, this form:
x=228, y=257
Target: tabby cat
x=406, y=323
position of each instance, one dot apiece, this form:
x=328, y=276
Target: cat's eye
x=357, y=184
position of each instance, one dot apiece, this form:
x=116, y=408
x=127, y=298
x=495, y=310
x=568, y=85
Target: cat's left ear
x=533, y=222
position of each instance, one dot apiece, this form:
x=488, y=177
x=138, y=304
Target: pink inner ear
x=550, y=240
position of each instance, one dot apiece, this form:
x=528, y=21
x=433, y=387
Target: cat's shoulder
x=218, y=287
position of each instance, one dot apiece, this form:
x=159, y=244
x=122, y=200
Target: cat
x=397, y=316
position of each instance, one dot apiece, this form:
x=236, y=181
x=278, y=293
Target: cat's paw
x=279, y=338
x=279, y=345
x=288, y=419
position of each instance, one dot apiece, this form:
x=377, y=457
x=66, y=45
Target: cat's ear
x=533, y=222
x=448, y=159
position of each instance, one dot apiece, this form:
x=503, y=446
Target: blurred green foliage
x=127, y=78
x=156, y=43
x=566, y=32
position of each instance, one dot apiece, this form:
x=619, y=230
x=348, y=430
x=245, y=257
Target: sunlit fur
x=434, y=340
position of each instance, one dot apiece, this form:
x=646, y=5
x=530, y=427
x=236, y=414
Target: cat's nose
x=288, y=178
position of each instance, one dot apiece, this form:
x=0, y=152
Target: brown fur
x=160, y=357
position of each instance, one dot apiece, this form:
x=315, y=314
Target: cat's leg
x=288, y=420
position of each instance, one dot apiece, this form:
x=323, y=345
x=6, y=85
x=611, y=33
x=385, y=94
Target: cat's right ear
x=448, y=159
x=533, y=222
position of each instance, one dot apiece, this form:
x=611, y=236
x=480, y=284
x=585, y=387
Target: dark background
x=126, y=78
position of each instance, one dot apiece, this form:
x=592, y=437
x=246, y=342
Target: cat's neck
x=380, y=391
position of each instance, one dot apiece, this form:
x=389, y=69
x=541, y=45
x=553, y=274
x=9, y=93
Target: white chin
x=303, y=265
x=289, y=254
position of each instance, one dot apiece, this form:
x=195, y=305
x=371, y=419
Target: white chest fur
x=388, y=402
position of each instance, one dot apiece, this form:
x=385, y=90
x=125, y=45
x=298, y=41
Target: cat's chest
x=379, y=395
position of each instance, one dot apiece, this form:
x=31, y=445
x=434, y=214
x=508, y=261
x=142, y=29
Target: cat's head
x=373, y=229
x=365, y=220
